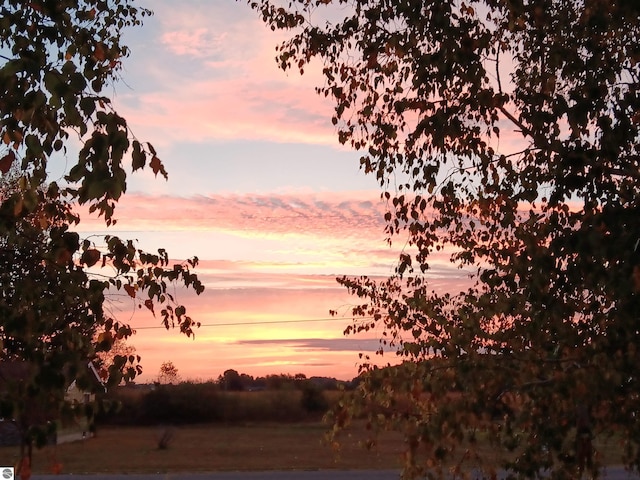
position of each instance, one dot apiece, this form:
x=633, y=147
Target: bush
x=188, y=403
x=313, y=399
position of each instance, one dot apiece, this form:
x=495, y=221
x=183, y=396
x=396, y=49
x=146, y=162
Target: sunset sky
x=259, y=189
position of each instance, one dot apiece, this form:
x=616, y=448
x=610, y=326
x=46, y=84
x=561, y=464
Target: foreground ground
x=206, y=448
x=260, y=448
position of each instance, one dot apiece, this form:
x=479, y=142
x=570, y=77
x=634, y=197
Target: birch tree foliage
x=57, y=58
x=503, y=134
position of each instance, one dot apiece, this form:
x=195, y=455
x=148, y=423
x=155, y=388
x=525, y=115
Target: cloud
x=264, y=235
x=243, y=108
x=199, y=43
x=205, y=358
x=208, y=73
x=328, y=214
x=202, y=86
x=309, y=229
x=321, y=344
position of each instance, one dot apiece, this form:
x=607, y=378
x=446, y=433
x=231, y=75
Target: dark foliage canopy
x=56, y=60
x=505, y=136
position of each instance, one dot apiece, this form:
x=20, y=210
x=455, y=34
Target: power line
x=273, y=322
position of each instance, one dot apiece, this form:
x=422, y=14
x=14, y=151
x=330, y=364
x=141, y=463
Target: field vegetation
x=249, y=424
x=253, y=446
x=289, y=400
x=203, y=426
x=215, y=447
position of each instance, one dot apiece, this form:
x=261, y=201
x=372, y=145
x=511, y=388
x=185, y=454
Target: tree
x=504, y=135
x=313, y=399
x=168, y=374
x=120, y=353
x=56, y=58
x=231, y=380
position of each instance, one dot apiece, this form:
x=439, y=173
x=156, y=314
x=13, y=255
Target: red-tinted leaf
x=149, y=304
x=99, y=52
x=157, y=167
x=7, y=161
x=90, y=257
x=131, y=290
x=139, y=158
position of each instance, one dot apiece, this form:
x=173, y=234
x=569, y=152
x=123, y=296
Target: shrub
x=313, y=399
x=188, y=403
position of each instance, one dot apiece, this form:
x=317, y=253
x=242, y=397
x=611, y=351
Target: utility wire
x=273, y=322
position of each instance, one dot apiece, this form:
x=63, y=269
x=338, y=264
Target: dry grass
x=218, y=447
x=213, y=448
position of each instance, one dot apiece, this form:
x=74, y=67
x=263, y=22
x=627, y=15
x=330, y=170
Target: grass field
x=217, y=447
x=213, y=448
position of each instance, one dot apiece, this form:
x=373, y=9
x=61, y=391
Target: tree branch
x=517, y=122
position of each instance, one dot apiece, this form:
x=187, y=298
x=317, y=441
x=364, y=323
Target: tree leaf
x=157, y=167
x=90, y=257
x=7, y=161
x=149, y=304
x=139, y=157
x=131, y=290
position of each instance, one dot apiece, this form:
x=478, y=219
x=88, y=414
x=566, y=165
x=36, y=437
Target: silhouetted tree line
x=233, y=381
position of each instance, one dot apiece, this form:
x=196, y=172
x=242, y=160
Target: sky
x=259, y=189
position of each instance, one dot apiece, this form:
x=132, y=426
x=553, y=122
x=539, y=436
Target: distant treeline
x=233, y=381
x=233, y=397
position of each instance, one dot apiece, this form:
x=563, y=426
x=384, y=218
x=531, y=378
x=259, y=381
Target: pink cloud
x=279, y=264
x=213, y=77
x=264, y=257
x=240, y=108
x=194, y=43
x=217, y=80
x=257, y=331
x=236, y=236
x=321, y=214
